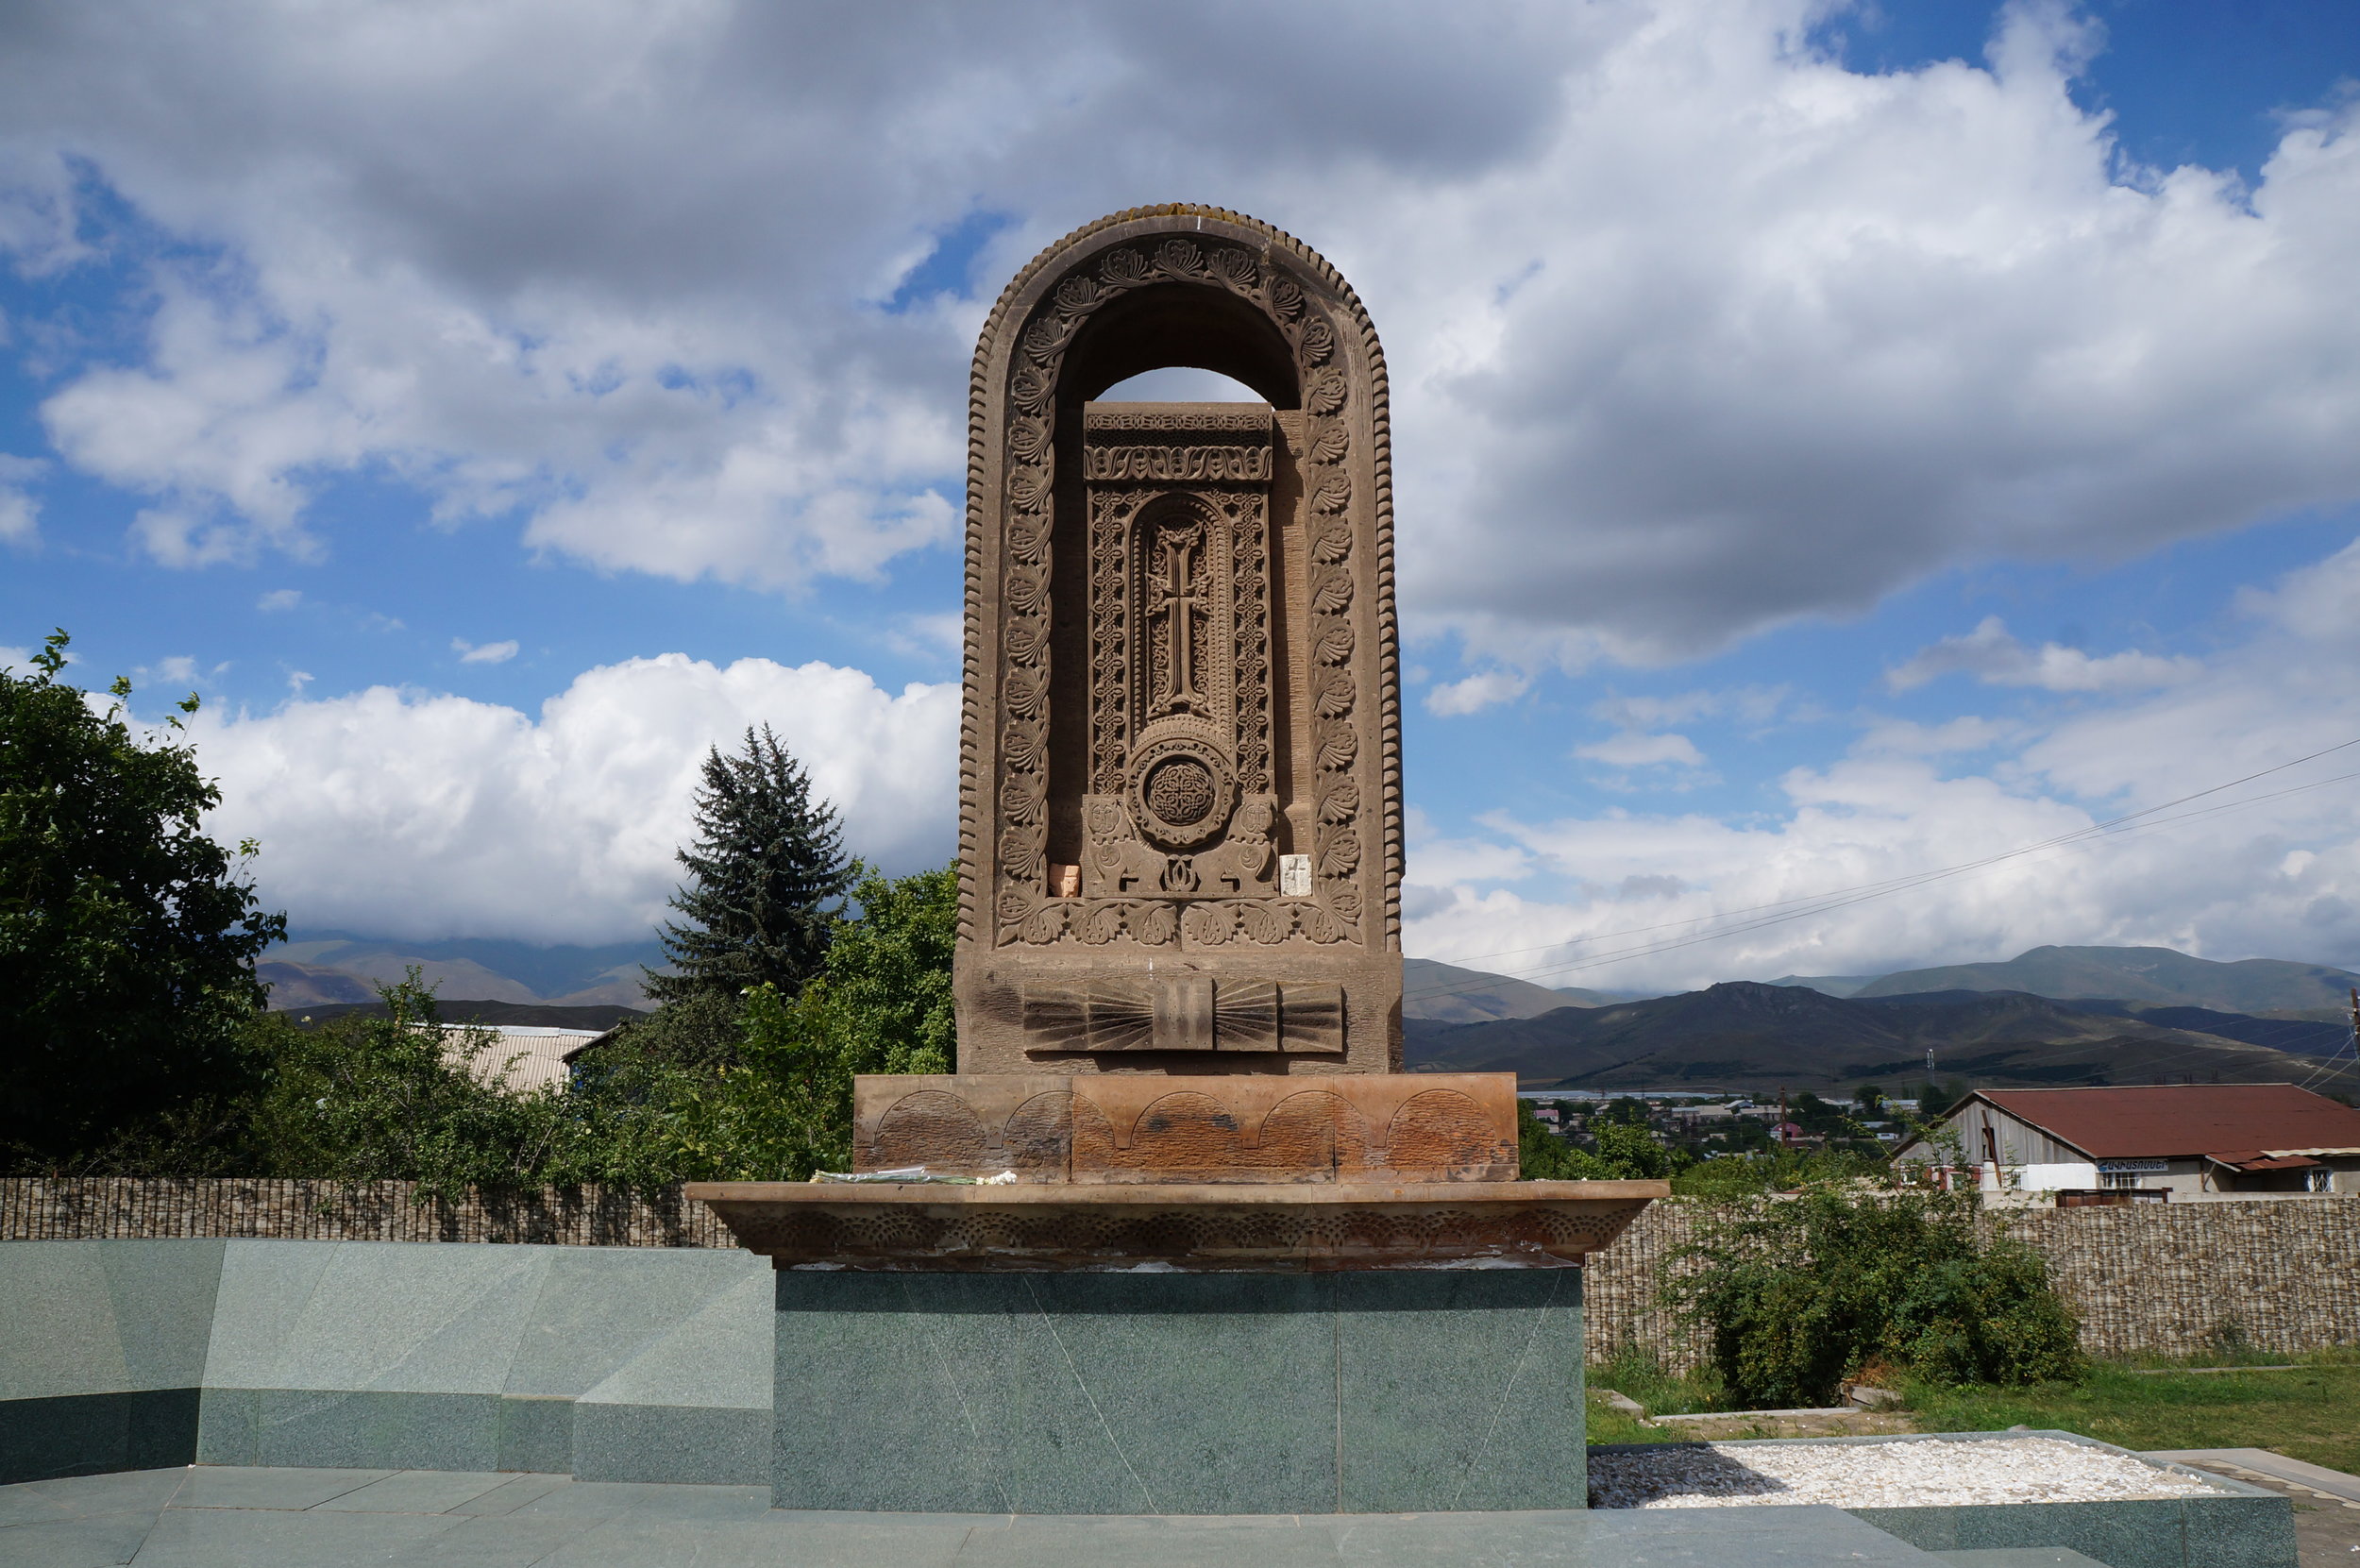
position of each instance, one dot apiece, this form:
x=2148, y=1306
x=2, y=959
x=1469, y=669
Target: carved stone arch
x=1181, y=324
x=1301, y=487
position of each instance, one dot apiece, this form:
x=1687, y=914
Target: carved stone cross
x=1177, y=595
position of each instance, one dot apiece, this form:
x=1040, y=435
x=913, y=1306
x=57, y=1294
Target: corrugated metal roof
x=539, y=1052
x=2181, y=1120
x=2254, y=1159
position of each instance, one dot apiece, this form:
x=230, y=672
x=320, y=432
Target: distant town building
x=2157, y=1144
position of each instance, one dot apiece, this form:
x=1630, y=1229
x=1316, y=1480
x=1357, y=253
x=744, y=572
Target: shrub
x=1799, y=1294
x=1543, y=1156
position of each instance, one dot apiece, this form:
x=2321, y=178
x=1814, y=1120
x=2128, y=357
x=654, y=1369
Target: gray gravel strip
x=1915, y=1473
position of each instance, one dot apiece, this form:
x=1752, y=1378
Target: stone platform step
x=331, y=1518
x=2316, y=1479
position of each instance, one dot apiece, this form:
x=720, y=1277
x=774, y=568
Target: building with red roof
x=2174, y=1141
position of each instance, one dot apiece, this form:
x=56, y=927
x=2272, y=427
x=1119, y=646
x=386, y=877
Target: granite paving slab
x=2315, y=1479
x=218, y=1517
x=93, y=1541
x=115, y=1492
x=254, y=1487
x=287, y=1538
x=514, y=1493
x=417, y=1491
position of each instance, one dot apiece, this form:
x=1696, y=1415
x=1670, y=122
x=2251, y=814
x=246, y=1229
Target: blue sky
x=1837, y=443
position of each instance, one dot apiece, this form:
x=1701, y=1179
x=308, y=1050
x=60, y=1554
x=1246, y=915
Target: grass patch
x=1635, y=1374
x=2312, y=1413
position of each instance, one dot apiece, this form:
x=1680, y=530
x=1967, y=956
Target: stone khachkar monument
x=1211, y=1233
x=1180, y=814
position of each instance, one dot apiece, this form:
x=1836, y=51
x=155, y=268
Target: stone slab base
x=1157, y=1127
x=1177, y=1393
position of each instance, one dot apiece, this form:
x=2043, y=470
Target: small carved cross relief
x=1179, y=595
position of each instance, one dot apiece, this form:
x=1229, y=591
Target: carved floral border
x=1045, y=336
x=1026, y=911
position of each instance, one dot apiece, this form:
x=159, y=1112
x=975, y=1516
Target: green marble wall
x=1165, y=1393
x=609, y=1364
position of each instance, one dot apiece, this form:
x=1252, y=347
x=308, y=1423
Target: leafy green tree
x=1935, y=1102
x=406, y=1097
x=1777, y=1170
x=128, y=936
x=764, y=876
x=1800, y=1292
x=369, y=1098
x=1631, y=1152
x=1541, y=1155
x=881, y=1004
x=700, y=1030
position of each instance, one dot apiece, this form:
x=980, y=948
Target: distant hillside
x=326, y=967
x=2303, y=1036
x=1833, y=985
x=1742, y=1034
x=2251, y=985
x=1453, y=995
x=511, y=1013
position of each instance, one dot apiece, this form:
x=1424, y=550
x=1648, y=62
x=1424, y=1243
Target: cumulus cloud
x=1631, y=750
x=1837, y=881
x=1477, y=692
x=1693, y=330
x=1993, y=656
x=1750, y=704
x=426, y=814
x=279, y=599
x=19, y=509
x=488, y=653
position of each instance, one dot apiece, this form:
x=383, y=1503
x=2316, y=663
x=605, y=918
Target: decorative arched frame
x=1203, y=286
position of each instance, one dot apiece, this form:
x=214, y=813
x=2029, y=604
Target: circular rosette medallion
x=1182, y=793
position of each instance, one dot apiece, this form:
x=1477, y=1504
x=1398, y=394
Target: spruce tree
x=767, y=866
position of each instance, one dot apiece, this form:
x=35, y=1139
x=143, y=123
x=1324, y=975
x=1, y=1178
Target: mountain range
x=2052, y=1015
x=2259, y=986
x=321, y=968
x=1747, y=1035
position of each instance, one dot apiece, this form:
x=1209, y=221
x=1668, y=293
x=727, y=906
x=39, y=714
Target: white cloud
x=20, y=510
x=1967, y=732
x=186, y=540
x=424, y=814
x=1995, y=658
x=489, y=653
x=1751, y=704
x=1477, y=692
x=1631, y=750
x=2267, y=870
x=279, y=599
x=1691, y=330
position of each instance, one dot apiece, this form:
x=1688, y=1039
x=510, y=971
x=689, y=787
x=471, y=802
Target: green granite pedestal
x=1156, y=1392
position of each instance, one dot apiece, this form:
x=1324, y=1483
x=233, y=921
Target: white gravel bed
x=1917, y=1474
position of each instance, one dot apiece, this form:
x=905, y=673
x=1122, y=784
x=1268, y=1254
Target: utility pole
x=1783, y=1113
